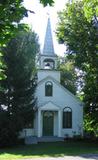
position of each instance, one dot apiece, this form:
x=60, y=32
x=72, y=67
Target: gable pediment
x=50, y=106
x=61, y=88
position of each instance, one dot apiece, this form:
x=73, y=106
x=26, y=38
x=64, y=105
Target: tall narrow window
x=48, y=89
x=67, y=117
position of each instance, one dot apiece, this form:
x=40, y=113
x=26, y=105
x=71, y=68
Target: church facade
x=59, y=113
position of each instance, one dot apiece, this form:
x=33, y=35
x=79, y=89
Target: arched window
x=48, y=88
x=67, y=117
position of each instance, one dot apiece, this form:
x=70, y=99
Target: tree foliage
x=47, y=2
x=90, y=9
x=11, y=12
x=18, y=99
x=68, y=75
x=79, y=32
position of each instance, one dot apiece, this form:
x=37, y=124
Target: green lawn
x=48, y=149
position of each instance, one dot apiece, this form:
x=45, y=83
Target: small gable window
x=67, y=117
x=48, y=89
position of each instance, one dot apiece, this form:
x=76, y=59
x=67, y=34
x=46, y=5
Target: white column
x=59, y=123
x=39, y=123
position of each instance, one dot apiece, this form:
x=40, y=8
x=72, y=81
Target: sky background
x=38, y=21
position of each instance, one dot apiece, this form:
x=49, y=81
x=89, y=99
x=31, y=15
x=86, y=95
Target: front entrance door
x=48, y=123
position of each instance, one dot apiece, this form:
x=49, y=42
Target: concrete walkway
x=82, y=157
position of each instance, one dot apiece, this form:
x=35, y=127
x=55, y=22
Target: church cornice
x=50, y=70
x=45, y=55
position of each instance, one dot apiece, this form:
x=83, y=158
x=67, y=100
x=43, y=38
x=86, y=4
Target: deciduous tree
x=68, y=74
x=80, y=34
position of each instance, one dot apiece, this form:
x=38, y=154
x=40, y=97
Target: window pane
x=67, y=119
x=48, y=89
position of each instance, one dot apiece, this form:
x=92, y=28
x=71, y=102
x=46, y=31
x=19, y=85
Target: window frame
x=67, y=118
x=47, y=94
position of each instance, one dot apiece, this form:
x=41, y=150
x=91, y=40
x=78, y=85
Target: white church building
x=59, y=113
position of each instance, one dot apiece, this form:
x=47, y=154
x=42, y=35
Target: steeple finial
x=48, y=43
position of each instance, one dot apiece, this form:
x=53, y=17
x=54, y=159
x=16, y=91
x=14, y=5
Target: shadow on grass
x=90, y=156
x=56, y=149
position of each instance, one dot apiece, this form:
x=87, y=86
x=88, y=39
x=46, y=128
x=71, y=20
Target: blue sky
x=38, y=21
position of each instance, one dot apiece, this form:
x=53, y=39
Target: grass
x=48, y=149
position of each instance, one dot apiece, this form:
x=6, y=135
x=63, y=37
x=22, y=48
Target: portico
x=49, y=120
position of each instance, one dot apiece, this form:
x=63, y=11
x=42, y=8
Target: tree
x=90, y=9
x=47, y=2
x=18, y=88
x=79, y=33
x=11, y=12
x=68, y=75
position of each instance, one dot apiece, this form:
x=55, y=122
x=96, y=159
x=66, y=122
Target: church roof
x=48, y=48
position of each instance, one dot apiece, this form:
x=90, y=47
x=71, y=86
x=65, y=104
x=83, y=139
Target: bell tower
x=48, y=58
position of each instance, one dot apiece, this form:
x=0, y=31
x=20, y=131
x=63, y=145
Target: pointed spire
x=48, y=42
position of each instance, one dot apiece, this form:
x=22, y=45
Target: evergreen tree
x=18, y=88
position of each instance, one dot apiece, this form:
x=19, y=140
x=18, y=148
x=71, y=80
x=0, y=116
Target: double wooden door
x=48, y=123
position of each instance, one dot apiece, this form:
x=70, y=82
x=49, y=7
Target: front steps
x=31, y=140
x=50, y=139
x=35, y=140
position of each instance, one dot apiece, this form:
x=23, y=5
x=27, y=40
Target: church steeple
x=48, y=58
x=48, y=42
